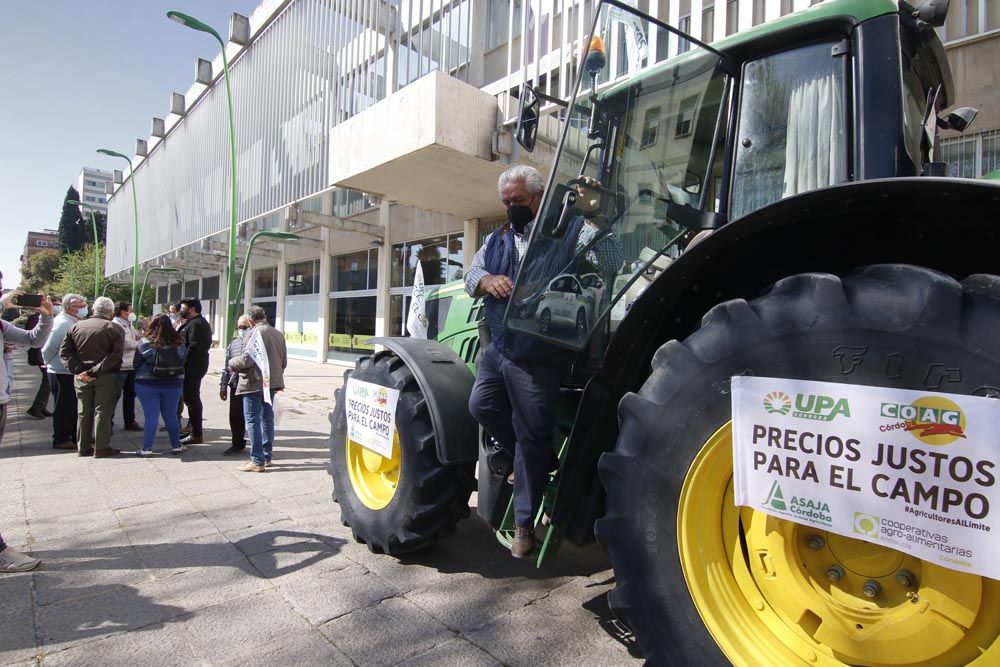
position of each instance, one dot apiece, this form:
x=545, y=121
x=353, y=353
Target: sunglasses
x=242, y=328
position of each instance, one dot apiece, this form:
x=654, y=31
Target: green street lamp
x=104, y=290
x=193, y=23
x=145, y=281
x=97, y=243
x=135, y=214
x=280, y=236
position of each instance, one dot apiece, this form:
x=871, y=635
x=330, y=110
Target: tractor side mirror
x=527, y=118
x=958, y=120
x=930, y=13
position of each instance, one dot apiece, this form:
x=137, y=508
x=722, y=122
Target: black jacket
x=197, y=333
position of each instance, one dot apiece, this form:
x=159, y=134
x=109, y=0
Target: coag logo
x=775, y=498
x=933, y=420
x=381, y=396
x=777, y=402
x=820, y=407
x=866, y=524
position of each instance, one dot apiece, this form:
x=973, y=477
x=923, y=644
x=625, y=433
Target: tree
x=39, y=272
x=70, y=229
x=76, y=275
x=87, y=228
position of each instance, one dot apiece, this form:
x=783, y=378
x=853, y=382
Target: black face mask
x=519, y=217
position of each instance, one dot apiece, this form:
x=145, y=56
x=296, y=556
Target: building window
x=355, y=271
x=650, y=124
x=708, y=24
x=210, y=287
x=440, y=260
x=303, y=277
x=89, y=198
x=685, y=116
x=972, y=157
x=497, y=19
x=684, y=25
x=92, y=183
x=732, y=16
x=39, y=243
x=967, y=18
x=265, y=282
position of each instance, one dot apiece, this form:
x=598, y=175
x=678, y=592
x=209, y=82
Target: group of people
x=90, y=364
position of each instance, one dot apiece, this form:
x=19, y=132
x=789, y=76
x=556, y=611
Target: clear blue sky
x=78, y=75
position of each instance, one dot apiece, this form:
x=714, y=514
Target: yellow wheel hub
x=373, y=476
x=772, y=592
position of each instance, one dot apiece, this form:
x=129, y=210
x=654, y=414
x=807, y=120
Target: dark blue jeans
x=515, y=403
x=159, y=400
x=259, y=417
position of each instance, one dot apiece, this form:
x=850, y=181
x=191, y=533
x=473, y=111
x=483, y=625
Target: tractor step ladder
x=548, y=547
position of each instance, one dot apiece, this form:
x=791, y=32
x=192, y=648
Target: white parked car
x=567, y=303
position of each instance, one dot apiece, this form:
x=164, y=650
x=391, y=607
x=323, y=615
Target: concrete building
x=972, y=40
x=376, y=131
x=36, y=242
x=93, y=185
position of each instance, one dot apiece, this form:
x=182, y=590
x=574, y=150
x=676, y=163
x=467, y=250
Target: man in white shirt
x=64, y=413
x=124, y=317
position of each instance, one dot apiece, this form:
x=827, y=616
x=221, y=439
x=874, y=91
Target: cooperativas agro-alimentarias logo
x=933, y=420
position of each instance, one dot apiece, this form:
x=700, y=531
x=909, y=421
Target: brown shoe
x=89, y=451
x=106, y=452
x=524, y=542
x=64, y=445
x=250, y=466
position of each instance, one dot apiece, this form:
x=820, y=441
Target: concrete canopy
x=428, y=145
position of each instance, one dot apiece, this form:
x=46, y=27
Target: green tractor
x=780, y=212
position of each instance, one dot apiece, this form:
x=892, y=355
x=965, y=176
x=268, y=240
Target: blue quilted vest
x=501, y=260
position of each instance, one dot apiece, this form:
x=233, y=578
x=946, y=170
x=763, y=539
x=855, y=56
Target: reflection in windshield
x=628, y=152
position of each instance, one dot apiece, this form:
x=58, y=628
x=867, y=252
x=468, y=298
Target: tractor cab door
x=633, y=176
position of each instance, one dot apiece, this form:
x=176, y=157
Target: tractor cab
x=652, y=160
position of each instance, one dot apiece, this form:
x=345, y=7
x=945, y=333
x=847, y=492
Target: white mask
x=82, y=313
x=56, y=310
x=131, y=317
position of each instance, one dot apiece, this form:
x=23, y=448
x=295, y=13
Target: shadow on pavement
x=615, y=628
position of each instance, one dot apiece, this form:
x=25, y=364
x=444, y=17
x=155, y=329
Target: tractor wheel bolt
x=835, y=573
x=871, y=588
x=905, y=579
x=816, y=542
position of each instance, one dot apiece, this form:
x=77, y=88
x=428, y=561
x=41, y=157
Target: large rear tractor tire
x=703, y=582
x=405, y=502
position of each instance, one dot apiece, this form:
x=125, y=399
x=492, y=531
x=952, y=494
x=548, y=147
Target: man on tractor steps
x=518, y=377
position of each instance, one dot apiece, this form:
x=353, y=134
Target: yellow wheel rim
x=765, y=595
x=373, y=476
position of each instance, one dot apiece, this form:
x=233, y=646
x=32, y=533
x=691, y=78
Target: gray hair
x=530, y=176
x=70, y=297
x=104, y=307
x=257, y=314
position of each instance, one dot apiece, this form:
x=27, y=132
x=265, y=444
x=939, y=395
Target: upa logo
x=866, y=524
x=820, y=407
x=933, y=420
x=778, y=402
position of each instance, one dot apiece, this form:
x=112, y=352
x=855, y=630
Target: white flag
x=255, y=348
x=416, y=321
x=636, y=44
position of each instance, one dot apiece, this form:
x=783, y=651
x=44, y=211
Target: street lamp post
x=281, y=236
x=97, y=244
x=145, y=281
x=135, y=215
x=193, y=23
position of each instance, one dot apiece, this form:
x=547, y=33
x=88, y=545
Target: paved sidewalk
x=181, y=561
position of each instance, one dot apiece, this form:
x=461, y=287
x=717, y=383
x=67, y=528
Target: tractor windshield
x=634, y=162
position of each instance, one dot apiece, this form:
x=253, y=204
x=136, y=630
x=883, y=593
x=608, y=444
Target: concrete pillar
x=745, y=14
x=477, y=37
x=673, y=18
x=696, y=18
x=325, y=266
x=382, y=309
x=772, y=9
x=470, y=228
x=282, y=286
x=720, y=18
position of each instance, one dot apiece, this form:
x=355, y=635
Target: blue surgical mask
x=83, y=312
x=56, y=310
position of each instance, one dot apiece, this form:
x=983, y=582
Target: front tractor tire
x=703, y=582
x=403, y=503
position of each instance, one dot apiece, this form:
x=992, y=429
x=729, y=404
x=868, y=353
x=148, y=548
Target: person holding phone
x=10, y=334
x=64, y=413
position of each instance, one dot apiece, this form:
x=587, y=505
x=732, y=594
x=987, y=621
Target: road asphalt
x=187, y=561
